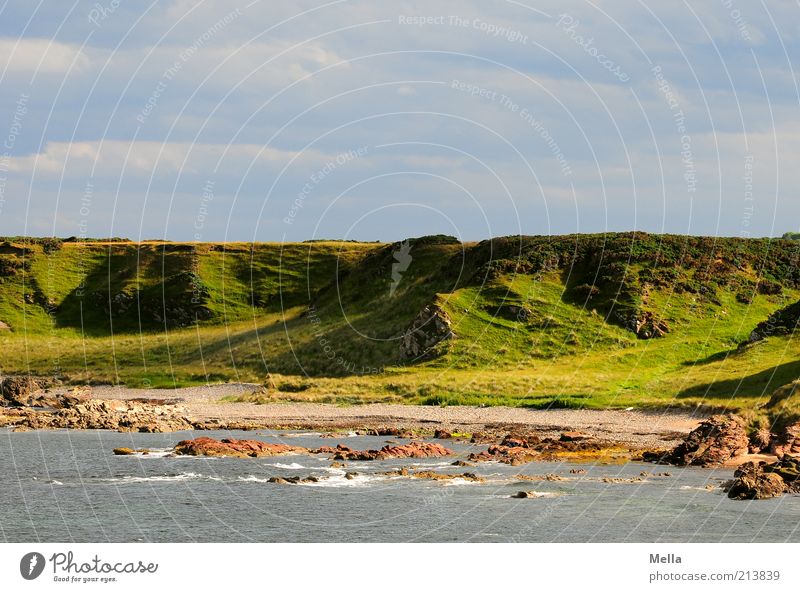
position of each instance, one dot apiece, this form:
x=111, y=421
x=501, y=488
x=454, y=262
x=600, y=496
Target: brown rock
x=787, y=441
x=528, y=495
x=753, y=483
x=74, y=411
x=759, y=441
x=788, y=469
x=411, y=450
x=124, y=451
x=15, y=391
x=433, y=475
x=230, y=447
x=511, y=455
x=427, y=330
x=386, y=431
x=546, y=477
x=714, y=442
x=521, y=441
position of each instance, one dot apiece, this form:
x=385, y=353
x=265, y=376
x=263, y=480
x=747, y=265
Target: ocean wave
x=459, y=481
x=538, y=494
x=253, y=479
x=153, y=453
x=157, y=478
x=698, y=488
x=289, y=466
x=342, y=481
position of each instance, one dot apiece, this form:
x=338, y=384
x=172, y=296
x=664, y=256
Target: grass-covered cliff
x=594, y=320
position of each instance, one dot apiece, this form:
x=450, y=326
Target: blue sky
x=281, y=121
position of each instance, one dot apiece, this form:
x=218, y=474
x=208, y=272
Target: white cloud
x=41, y=55
x=111, y=157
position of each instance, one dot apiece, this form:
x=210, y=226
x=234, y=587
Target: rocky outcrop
x=788, y=469
x=16, y=391
x=398, y=432
x=760, y=441
x=428, y=329
x=516, y=449
x=78, y=412
x=786, y=441
x=411, y=450
x=647, y=326
x=435, y=476
x=752, y=482
x=714, y=442
x=294, y=480
x=229, y=447
x=510, y=455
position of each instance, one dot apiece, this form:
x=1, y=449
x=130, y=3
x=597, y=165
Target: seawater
x=68, y=486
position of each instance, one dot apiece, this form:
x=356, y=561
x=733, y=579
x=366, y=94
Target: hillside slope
x=580, y=320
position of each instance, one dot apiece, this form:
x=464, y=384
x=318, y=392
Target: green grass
x=320, y=319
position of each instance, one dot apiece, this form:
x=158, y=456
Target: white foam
x=253, y=479
x=55, y=482
x=289, y=466
x=153, y=453
x=342, y=481
x=459, y=481
x=538, y=494
x=154, y=478
x=695, y=488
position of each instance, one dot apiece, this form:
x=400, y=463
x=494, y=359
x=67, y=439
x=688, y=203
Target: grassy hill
x=580, y=320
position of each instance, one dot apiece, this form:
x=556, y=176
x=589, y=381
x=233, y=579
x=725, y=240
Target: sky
x=278, y=120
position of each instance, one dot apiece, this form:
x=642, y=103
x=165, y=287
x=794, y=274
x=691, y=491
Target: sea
x=68, y=486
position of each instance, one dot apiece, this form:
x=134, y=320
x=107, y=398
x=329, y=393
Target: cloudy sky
x=280, y=120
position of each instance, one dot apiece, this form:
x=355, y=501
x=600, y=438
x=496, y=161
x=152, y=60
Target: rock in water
x=229, y=447
x=715, y=441
x=410, y=450
x=752, y=482
x=788, y=469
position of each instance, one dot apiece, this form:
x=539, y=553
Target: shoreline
x=636, y=429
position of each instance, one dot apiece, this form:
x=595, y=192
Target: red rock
x=787, y=442
x=714, y=442
x=521, y=441
x=229, y=447
x=511, y=455
x=411, y=450
x=331, y=449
